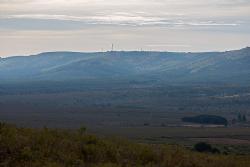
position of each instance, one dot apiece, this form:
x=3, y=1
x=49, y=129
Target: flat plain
x=139, y=111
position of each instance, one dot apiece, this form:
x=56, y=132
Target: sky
x=35, y=26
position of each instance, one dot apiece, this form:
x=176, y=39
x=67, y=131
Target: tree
x=239, y=117
x=244, y=118
x=82, y=130
x=203, y=147
x=207, y=119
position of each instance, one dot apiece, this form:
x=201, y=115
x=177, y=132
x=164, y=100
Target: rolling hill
x=229, y=66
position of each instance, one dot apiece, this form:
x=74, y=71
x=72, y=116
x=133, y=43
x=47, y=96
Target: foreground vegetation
x=24, y=147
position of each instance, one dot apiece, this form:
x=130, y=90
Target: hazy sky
x=32, y=26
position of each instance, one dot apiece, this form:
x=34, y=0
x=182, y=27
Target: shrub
x=206, y=119
x=205, y=147
x=60, y=148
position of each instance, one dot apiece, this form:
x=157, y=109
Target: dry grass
x=24, y=147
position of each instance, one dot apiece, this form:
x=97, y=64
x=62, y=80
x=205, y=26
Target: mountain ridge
x=56, y=52
x=231, y=66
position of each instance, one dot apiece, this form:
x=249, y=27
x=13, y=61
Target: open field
x=138, y=111
x=49, y=147
x=182, y=135
x=120, y=106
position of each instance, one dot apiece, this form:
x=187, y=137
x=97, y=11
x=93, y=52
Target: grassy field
x=234, y=140
x=126, y=106
x=63, y=148
x=143, y=114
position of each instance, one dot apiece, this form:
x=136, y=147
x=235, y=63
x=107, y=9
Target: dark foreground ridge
x=46, y=147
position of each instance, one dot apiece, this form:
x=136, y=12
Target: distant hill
x=229, y=67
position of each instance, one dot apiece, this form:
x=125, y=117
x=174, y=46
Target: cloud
x=116, y=19
x=130, y=12
x=94, y=24
x=169, y=45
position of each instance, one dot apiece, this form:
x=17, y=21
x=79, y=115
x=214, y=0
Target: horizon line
x=107, y=51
